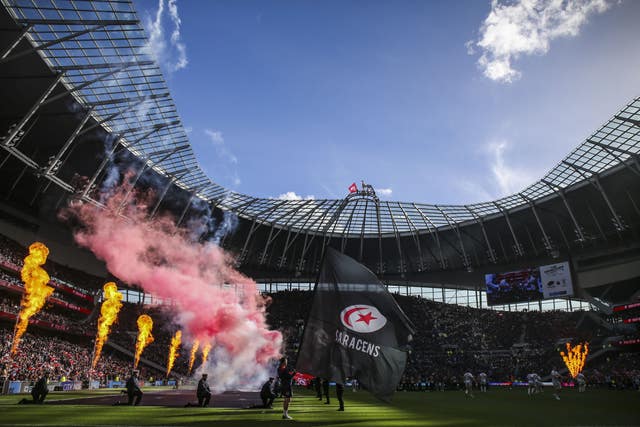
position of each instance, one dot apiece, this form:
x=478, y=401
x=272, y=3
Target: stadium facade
x=84, y=98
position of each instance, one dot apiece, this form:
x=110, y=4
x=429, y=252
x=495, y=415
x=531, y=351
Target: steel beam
x=616, y=218
x=289, y=227
x=465, y=259
x=416, y=236
x=490, y=252
x=17, y=41
x=103, y=164
x=561, y=193
x=545, y=237
x=434, y=234
x=131, y=99
x=398, y=243
x=49, y=43
x=187, y=206
x=8, y=141
x=165, y=191
x=53, y=163
x=86, y=84
x=110, y=117
x=517, y=247
x=103, y=22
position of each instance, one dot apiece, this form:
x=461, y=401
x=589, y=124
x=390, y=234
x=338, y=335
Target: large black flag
x=355, y=329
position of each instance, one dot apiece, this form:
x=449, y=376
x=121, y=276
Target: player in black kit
x=286, y=379
x=339, y=394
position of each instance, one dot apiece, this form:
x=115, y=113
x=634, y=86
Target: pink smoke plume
x=160, y=258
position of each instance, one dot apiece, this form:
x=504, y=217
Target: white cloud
x=172, y=55
x=384, y=192
x=182, y=60
x=508, y=176
x=291, y=195
x=221, y=148
x=526, y=27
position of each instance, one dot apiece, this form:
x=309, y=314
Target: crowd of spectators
x=63, y=359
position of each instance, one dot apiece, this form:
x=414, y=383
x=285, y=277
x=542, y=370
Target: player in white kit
x=531, y=383
x=582, y=382
x=468, y=384
x=538, y=381
x=483, y=382
x=556, y=382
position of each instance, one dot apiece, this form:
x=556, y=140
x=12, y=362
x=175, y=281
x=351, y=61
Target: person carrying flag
x=286, y=379
x=355, y=329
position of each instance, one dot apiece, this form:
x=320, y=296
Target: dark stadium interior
x=593, y=223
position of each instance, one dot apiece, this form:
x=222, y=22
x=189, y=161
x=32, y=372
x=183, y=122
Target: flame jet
x=111, y=305
x=173, y=350
x=145, y=325
x=36, y=290
x=205, y=353
x=575, y=358
x=192, y=358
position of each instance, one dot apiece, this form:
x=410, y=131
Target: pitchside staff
x=133, y=389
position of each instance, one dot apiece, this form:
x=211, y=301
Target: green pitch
x=495, y=408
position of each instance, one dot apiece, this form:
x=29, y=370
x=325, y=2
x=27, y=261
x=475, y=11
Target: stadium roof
x=101, y=51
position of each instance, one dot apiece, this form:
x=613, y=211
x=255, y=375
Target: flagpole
x=315, y=289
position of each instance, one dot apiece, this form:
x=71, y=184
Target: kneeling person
x=267, y=395
x=133, y=389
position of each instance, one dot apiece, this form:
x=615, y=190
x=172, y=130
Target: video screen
x=514, y=286
x=530, y=284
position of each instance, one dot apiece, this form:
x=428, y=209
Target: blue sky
x=437, y=102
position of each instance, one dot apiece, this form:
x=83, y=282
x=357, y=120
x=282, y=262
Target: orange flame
x=205, y=353
x=109, y=310
x=173, y=350
x=192, y=359
x=145, y=324
x=36, y=290
x=575, y=358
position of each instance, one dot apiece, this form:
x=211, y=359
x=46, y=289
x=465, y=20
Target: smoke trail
x=111, y=305
x=227, y=225
x=173, y=351
x=215, y=302
x=192, y=357
x=36, y=290
x=145, y=325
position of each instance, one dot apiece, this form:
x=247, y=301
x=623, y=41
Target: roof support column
x=55, y=162
x=105, y=161
x=434, y=234
x=50, y=43
x=9, y=140
x=398, y=244
x=595, y=220
x=165, y=191
x=616, y=218
x=243, y=253
x=263, y=255
x=545, y=237
x=465, y=259
x=561, y=193
x=187, y=206
x=17, y=41
x=132, y=186
x=517, y=247
x=491, y=254
x=416, y=237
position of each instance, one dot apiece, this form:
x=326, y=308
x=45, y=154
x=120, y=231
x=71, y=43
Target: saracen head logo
x=362, y=318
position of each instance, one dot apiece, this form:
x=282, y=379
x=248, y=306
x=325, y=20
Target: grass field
x=495, y=408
